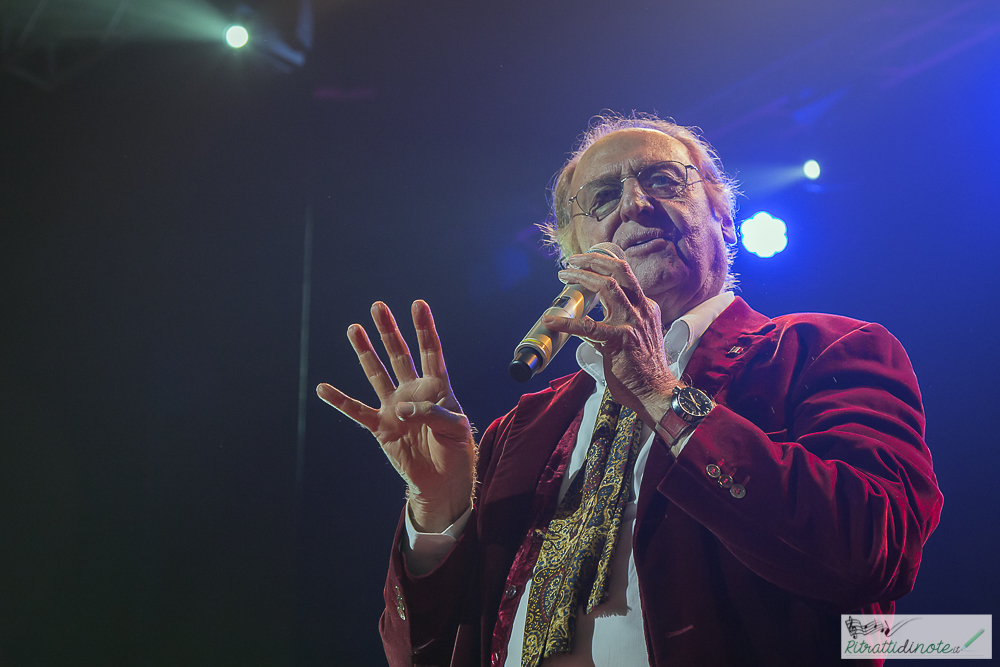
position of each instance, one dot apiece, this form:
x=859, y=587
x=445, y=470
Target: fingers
x=432, y=359
x=445, y=424
x=586, y=328
x=372, y=365
x=616, y=303
x=431, y=356
x=613, y=280
x=356, y=410
x=395, y=346
x=617, y=269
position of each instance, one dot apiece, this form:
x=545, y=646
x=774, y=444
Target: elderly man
x=713, y=487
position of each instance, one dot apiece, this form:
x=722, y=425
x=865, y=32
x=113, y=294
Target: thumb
x=443, y=422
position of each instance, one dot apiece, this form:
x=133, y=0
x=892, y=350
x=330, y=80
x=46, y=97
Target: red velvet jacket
x=818, y=416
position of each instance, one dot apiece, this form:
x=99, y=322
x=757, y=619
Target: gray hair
x=721, y=189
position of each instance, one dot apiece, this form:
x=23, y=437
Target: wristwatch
x=688, y=406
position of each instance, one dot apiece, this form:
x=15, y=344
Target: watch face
x=694, y=402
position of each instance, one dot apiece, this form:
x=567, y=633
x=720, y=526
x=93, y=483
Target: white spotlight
x=237, y=36
x=811, y=169
x=764, y=235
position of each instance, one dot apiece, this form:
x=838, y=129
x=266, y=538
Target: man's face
x=676, y=247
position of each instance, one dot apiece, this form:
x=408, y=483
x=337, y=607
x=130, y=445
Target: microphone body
x=540, y=345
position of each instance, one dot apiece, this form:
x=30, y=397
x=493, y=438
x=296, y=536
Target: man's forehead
x=627, y=151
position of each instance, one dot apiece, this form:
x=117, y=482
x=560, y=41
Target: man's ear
x=728, y=230
x=727, y=224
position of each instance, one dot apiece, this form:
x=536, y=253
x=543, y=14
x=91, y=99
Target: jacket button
x=713, y=470
x=726, y=481
x=510, y=591
x=737, y=491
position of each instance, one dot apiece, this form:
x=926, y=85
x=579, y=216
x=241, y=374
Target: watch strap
x=671, y=427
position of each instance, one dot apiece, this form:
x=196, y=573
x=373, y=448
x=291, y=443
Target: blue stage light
x=811, y=169
x=763, y=234
x=237, y=36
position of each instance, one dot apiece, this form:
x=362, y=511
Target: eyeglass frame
x=621, y=192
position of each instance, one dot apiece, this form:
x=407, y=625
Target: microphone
x=540, y=345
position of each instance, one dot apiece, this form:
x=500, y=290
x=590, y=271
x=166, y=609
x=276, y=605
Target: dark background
x=152, y=220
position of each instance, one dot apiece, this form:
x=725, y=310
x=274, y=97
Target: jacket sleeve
x=839, y=494
x=423, y=613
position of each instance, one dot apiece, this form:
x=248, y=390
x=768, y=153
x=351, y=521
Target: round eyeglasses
x=661, y=180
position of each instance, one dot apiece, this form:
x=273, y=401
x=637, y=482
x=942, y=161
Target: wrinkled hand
x=419, y=424
x=630, y=338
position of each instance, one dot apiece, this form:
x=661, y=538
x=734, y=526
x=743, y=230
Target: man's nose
x=635, y=202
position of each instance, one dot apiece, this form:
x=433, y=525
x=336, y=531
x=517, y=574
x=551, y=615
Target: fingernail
x=404, y=410
x=573, y=265
x=564, y=277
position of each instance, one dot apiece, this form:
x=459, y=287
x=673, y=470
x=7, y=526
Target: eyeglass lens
x=663, y=180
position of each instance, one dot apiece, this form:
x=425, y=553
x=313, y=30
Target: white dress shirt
x=612, y=633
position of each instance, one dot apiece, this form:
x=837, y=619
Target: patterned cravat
x=575, y=556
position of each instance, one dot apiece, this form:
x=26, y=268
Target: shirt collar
x=679, y=341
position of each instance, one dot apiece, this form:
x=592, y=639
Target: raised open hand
x=419, y=424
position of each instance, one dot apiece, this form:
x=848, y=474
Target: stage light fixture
x=237, y=36
x=811, y=169
x=763, y=234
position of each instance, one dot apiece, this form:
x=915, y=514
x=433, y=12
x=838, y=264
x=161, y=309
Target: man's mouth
x=638, y=244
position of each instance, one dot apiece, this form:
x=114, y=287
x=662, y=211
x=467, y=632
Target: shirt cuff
x=676, y=448
x=425, y=551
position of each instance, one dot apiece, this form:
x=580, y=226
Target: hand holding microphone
x=540, y=345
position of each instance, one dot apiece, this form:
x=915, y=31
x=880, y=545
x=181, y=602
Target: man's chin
x=659, y=277
x=672, y=293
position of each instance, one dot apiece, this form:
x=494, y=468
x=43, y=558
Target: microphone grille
x=609, y=249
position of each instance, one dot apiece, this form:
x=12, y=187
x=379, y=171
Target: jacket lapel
x=540, y=421
x=725, y=347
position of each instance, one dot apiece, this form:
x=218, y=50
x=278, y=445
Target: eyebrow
x=608, y=179
x=615, y=176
